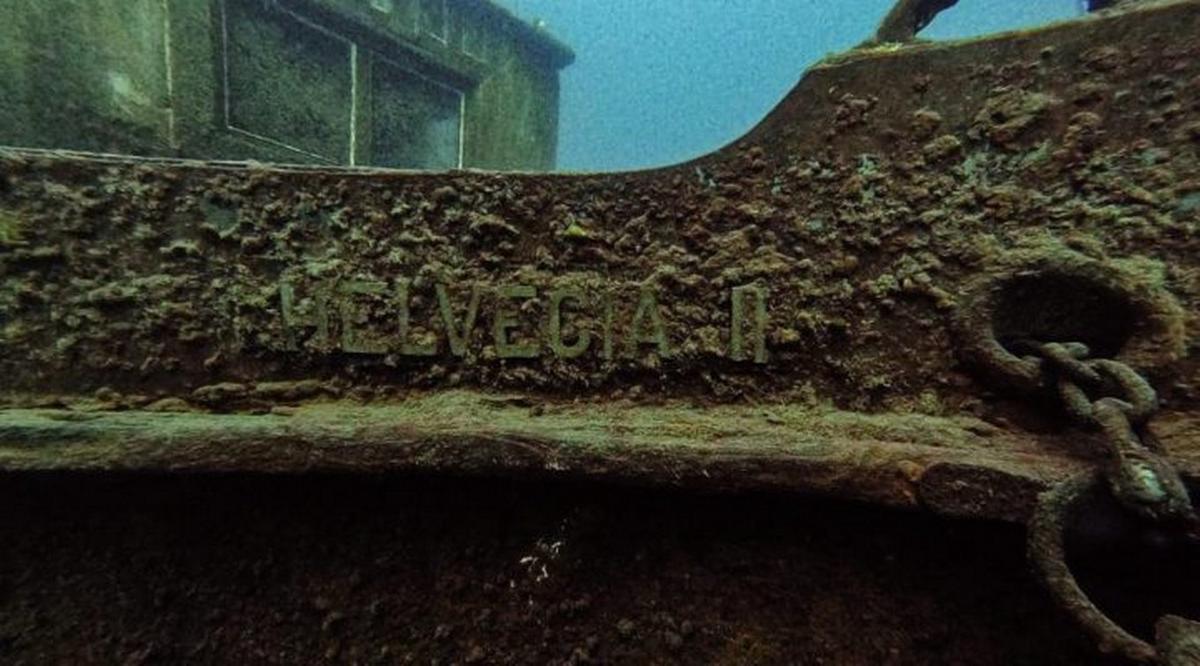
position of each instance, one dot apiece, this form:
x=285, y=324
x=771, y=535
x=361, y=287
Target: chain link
x=1114, y=399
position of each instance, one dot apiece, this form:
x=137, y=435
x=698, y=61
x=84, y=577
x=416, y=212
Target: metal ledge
x=950, y=465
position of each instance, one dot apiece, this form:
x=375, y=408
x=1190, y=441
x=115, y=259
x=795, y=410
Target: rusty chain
x=1140, y=476
x=1111, y=398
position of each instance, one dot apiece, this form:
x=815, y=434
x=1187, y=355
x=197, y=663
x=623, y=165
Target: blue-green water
x=659, y=81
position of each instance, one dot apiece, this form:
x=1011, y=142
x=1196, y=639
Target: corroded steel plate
x=811, y=308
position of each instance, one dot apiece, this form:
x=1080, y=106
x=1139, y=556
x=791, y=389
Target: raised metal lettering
x=407, y=346
x=458, y=337
x=354, y=340
x=608, y=326
x=737, y=333
x=505, y=319
x=647, y=313
x=554, y=329
x=292, y=321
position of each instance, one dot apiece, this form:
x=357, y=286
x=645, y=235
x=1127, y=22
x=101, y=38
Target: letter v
x=458, y=337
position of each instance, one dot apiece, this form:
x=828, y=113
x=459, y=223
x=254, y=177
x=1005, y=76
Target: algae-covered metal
x=827, y=261
x=826, y=306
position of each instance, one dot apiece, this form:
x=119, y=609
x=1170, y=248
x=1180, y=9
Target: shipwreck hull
x=821, y=311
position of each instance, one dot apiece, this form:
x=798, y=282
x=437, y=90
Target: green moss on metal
x=11, y=228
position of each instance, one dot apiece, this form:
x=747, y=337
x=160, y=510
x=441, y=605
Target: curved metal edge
x=1047, y=552
x=1161, y=339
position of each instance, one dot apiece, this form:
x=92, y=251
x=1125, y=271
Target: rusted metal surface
x=1179, y=641
x=1176, y=639
x=956, y=467
x=849, y=261
x=359, y=569
x=1048, y=551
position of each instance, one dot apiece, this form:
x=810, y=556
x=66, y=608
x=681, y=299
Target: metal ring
x=1047, y=551
x=1160, y=338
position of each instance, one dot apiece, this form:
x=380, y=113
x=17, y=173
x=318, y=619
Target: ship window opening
x=413, y=120
x=470, y=36
x=417, y=123
x=431, y=19
x=270, y=53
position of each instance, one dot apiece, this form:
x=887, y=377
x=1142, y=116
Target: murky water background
x=429, y=84
x=660, y=81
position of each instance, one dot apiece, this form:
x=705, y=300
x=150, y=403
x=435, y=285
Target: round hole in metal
x=1063, y=307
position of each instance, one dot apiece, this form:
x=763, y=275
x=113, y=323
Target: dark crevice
x=1051, y=307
